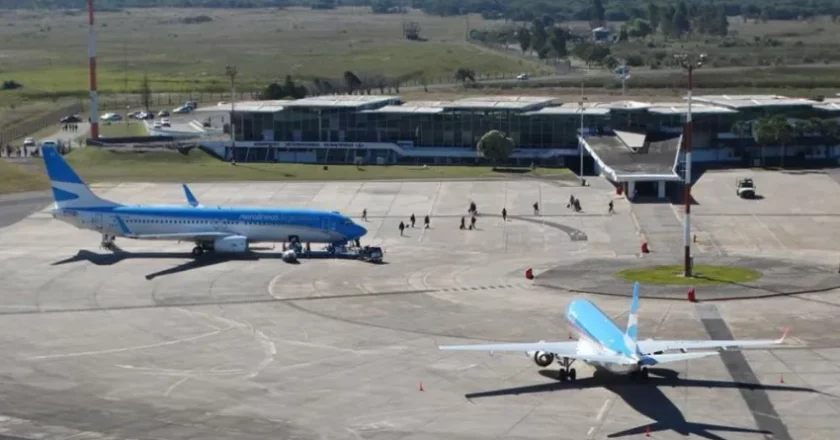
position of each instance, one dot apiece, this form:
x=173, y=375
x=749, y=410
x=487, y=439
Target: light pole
x=230, y=72
x=688, y=62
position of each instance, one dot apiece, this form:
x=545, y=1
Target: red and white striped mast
x=94, y=98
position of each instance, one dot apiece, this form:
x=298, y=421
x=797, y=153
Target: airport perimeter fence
x=27, y=128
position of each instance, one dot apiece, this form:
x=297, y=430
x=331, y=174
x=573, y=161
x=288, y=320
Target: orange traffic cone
x=421, y=385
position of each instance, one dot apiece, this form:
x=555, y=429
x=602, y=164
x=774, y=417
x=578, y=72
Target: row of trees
x=777, y=130
x=516, y=10
x=543, y=37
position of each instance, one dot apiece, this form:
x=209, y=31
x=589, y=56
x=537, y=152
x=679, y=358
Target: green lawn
x=17, y=178
x=123, y=129
x=95, y=164
x=703, y=275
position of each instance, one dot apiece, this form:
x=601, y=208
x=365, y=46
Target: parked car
x=522, y=77
x=191, y=104
x=157, y=125
x=182, y=109
x=29, y=142
x=165, y=122
x=72, y=119
x=163, y=114
x=111, y=117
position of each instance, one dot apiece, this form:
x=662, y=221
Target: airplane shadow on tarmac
x=648, y=399
x=117, y=255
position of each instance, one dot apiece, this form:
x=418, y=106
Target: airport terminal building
x=634, y=144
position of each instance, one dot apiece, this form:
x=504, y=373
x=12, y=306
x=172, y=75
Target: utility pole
x=230, y=72
x=689, y=63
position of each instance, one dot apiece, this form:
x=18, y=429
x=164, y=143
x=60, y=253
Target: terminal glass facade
x=443, y=128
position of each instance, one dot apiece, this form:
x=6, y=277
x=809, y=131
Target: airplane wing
x=655, y=346
x=676, y=357
x=560, y=349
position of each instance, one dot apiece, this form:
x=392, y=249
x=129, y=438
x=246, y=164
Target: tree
x=495, y=146
x=463, y=74
x=146, y=92
x=774, y=130
x=557, y=41
x=538, y=35
x=351, y=81
x=524, y=37
x=680, y=20
x=639, y=28
x=598, y=12
x=654, y=15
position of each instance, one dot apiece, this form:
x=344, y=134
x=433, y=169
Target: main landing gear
x=640, y=374
x=107, y=242
x=200, y=249
x=566, y=373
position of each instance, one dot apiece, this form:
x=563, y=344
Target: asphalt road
x=16, y=207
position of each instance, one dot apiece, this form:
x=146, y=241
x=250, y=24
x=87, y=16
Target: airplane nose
x=359, y=231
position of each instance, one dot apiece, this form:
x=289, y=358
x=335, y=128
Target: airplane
x=604, y=346
x=212, y=229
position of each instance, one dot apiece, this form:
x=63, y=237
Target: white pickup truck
x=745, y=188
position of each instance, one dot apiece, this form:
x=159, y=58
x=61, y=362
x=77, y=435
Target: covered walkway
x=643, y=164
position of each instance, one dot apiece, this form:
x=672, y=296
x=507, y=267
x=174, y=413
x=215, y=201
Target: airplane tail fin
x=190, y=197
x=632, y=332
x=69, y=190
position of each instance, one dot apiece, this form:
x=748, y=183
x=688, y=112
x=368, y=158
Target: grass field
x=123, y=129
x=98, y=165
x=47, y=51
x=703, y=275
x=17, y=178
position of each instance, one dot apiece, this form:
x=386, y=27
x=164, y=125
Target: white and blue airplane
x=604, y=346
x=212, y=229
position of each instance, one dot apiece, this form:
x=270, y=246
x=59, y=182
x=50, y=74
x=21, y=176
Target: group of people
x=412, y=219
x=574, y=203
x=70, y=127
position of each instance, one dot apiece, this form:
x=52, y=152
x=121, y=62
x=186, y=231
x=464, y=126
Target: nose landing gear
x=566, y=373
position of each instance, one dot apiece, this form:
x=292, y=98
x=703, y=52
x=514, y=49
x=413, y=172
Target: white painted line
x=120, y=350
x=603, y=411
x=431, y=210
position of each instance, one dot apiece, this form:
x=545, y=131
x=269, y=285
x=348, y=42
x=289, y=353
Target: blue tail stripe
x=57, y=168
x=63, y=196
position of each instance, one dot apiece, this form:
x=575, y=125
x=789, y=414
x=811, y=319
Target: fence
x=31, y=126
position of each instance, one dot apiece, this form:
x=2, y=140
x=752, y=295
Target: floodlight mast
x=689, y=63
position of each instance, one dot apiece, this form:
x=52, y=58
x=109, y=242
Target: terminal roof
x=589, y=108
x=680, y=108
x=424, y=107
x=752, y=101
x=521, y=103
x=247, y=106
x=345, y=101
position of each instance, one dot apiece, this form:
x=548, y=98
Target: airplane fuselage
x=258, y=224
x=598, y=334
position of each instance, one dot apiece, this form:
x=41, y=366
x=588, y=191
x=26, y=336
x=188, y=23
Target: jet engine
x=543, y=359
x=232, y=244
x=289, y=256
